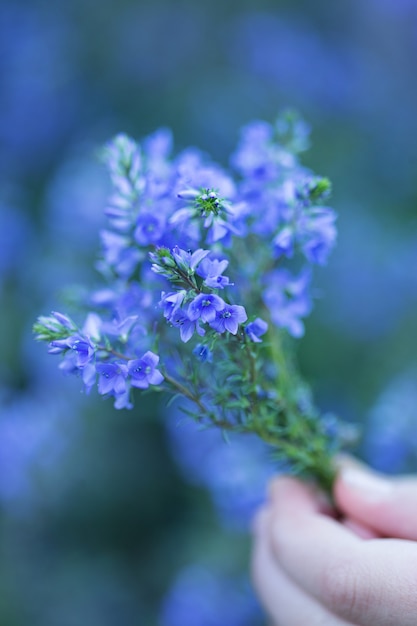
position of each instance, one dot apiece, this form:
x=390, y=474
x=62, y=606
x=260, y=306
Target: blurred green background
x=99, y=523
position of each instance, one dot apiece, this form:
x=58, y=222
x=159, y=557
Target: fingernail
x=371, y=486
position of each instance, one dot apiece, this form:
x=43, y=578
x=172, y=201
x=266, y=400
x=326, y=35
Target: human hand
x=310, y=569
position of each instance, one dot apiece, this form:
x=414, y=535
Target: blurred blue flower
x=76, y=195
x=35, y=432
x=40, y=98
x=256, y=329
x=203, y=353
x=290, y=53
x=235, y=472
x=390, y=444
x=288, y=299
x=202, y=596
x=16, y=240
x=358, y=304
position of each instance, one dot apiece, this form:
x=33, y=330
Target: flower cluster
x=207, y=272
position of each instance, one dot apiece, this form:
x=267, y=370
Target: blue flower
x=186, y=325
x=211, y=271
x=203, y=353
x=187, y=260
x=284, y=242
x=171, y=303
x=256, y=329
x=64, y=320
x=143, y=372
x=288, y=299
x=123, y=401
x=205, y=306
x=252, y=157
x=89, y=375
x=149, y=228
x=82, y=348
x=112, y=378
x=319, y=234
x=229, y=319
x=118, y=253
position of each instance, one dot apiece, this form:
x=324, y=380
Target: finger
x=284, y=601
x=387, y=505
x=317, y=499
x=359, y=529
x=364, y=582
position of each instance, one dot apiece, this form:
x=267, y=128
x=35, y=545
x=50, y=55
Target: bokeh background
x=125, y=518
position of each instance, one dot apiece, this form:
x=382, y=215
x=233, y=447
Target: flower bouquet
x=206, y=281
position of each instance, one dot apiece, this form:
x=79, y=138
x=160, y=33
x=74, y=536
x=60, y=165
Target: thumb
x=385, y=504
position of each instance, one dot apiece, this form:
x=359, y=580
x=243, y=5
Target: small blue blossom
x=256, y=329
x=203, y=353
x=84, y=350
x=81, y=347
x=144, y=372
x=212, y=273
x=150, y=228
x=288, y=300
x=205, y=306
x=219, y=229
x=112, y=378
x=92, y=327
x=64, y=320
x=118, y=254
x=89, y=376
x=229, y=318
x=252, y=158
x=187, y=260
x=171, y=303
x=122, y=328
x=319, y=234
x=210, y=192
x=284, y=242
x=187, y=326
x=123, y=401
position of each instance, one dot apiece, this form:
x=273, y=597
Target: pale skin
x=359, y=569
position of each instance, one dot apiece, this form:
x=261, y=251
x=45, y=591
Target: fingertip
x=280, y=485
x=386, y=504
x=289, y=494
x=357, y=484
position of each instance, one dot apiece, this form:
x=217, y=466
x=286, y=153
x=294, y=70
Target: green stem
x=315, y=463
x=278, y=357
x=179, y=387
